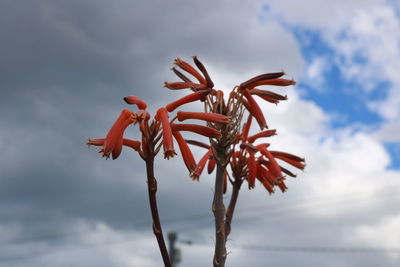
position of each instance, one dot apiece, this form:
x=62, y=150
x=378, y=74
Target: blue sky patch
x=338, y=96
x=394, y=151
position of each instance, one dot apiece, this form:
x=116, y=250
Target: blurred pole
x=172, y=236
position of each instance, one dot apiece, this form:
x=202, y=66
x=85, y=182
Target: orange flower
x=252, y=169
x=197, y=143
x=282, y=186
x=188, y=68
x=203, y=70
x=179, y=85
x=114, y=139
x=255, y=110
x=203, y=130
x=277, y=82
x=210, y=117
x=263, y=77
x=199, y=95
x=268, y=95
x=274, y=167
x=262, y=174
x=181, y=75
x=168, y=143
x=134, y=100
x=126, y=142
x=246, y=128
x=225, y=188
x=266, y=133
x=211, y=165
x=200, y=166
x=293, y=160
x=187, y=155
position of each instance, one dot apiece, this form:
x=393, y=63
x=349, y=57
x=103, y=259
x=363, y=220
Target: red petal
x=187, y=155
x=134, y=100
x=199, y=95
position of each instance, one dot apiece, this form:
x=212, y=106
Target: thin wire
x=306, y=249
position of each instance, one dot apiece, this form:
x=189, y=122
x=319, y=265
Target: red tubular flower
x=210, y=117
x=95, y=142
x=211, y=165
x=225, y=182
x=203, y=70
x=282, y=186
x=199, y=129
x=199, y=87
x=113, y=141
x=266, y=133
x=132, y=144
x=168, y=143
x=187, y=155
x=181, y=75
x=262, y=77
x=179, y=85
x=274, y=167
x=255, y=110
x=279, y=154
x=249, y=147
x=188, y=68
x=286, y=171
x=246, y=128
x=268, y=95
x=197, y=143
x=199, y=95
x=261, y=176
x=290, y=159
x=134, y=100
x=252, y=169
x=277, y=82
x=200, y=166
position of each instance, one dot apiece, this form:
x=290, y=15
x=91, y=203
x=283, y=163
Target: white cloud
x=365, y=37
x=384, y=234
x=316, y=70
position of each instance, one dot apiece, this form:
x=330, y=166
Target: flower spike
x=168, y=143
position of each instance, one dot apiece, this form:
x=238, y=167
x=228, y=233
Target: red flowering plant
x=231, y=151
x=155, y=133
x=234, y=148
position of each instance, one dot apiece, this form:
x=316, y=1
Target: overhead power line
x=318, y=249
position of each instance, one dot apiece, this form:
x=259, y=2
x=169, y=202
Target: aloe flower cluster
x=247, y=159
x=236, y=155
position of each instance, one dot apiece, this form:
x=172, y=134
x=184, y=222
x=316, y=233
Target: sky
x=66, y=65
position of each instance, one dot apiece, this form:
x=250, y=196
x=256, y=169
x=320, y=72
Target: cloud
x=383, y=234
x=64, y=79
x=365, y=37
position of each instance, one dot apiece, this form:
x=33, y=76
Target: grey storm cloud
x=65, y=66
